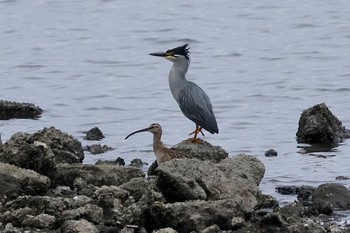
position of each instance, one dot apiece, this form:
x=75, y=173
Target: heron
x=192, y=100
x=162, y=153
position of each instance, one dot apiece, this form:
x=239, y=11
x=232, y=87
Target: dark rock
x=342, y=178
x=9, y=109
x=318, y=125
x=238, y=178
x=15, y=181
x=62, y=191
x=119, y=161
x=96, y=175
x=293, y=189
x=94, y=134
x=336, y=194
x=152, y=169
x=98, y=149
x=271, y=153
x=137, y=163
x=202, y=150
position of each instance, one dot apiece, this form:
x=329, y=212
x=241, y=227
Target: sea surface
x=262, y=63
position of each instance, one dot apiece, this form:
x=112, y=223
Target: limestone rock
x=15, y=181
x=96, y=175
x=238, y=178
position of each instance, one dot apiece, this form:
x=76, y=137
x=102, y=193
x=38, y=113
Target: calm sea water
x=86, y=64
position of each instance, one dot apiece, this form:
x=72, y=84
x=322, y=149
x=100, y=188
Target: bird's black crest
x=181, y=50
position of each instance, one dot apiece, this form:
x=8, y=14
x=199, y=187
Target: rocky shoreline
x=45, y=187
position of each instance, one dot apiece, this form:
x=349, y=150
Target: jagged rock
x=96, y=175
x=78, y=226
x=119, y=161
x=9, y=109
x=318, y=125
x=194, y=215
x=90, y=212
x=40, y=221
x=335, y=194
x=202, y=150
x=165, y=230
x=42, y=150
x=98, y=149
x=137, y=163
x=94, y=134
x=15, y=181
x=238, y=178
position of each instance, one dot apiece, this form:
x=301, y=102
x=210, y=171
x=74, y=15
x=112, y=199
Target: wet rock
x=318, y=125
x=335, y=194
x=98, y=149
x=78, y=226
x=137, y=163
x=202, y=150
x=151, y=171
x=9, y=109
x=271, y=153
x=96, y=175
x=94, y=134
x=342, y=178
x=119, y=161
x=15, y=181
x=294, y=210
x=238, y=178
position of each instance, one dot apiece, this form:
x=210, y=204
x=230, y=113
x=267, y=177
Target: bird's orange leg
x=196, y=132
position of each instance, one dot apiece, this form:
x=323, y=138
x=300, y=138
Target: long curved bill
x=138, y=131
x=159, y=54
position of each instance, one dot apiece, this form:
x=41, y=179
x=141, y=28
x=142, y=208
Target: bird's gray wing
x=195, y=104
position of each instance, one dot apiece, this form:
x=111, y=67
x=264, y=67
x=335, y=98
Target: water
x=86, y=64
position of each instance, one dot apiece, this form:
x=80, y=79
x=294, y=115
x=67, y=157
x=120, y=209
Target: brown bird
x=162, y=153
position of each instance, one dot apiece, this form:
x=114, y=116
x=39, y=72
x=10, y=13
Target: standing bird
x=192, y=100
x=162, y=153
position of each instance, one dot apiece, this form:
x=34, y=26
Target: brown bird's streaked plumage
x=162, y=153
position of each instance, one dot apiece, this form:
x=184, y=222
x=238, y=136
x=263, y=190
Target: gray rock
x=15, y=181
x=97, y=149
x=165, y=230
x=318, y=125
x=271, y=153
x=78, y=226
x=90, y=212
x=237, y=178
x=94, y=134
x=137, y=163
x=202, y=150
x=40, y=221
x=194, y=215
x=9, y=109
x=22, y=152
x=96, y=175
x=335, y=194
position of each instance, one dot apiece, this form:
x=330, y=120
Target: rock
x=42, y=151
x=94, y=134
x=292, y=210
x=193, y=215
x=15, y=181
x=238, y=178
x=66, y=148
x=271, y=153
x=90, y=212
x=78, y=226
x=318, y=125
x=96, y=175
x=98, y=149
x=20, y=151
x=165, y=230
x=137, y=163
x=335, y=194
x=202, y=150
x=9, y=109
x=342, y=178
x=40, y=221
x=119, y=161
